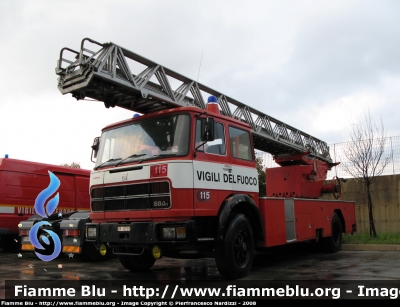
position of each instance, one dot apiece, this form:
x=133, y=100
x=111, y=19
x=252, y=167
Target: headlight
x=91, y=232
x=168, y=233
x=173, y=232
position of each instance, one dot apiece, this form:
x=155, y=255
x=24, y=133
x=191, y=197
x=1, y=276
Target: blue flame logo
x=46, y=242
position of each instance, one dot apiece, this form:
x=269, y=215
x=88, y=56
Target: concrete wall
x=385, y=200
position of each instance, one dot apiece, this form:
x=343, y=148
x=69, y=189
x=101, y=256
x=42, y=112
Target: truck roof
x=177, y=110
x=15, y=165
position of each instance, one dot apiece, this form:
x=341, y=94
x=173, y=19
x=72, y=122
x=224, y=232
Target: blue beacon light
x=212, y=99
x=212, y=104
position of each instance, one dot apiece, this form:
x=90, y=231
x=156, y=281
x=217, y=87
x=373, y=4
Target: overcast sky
x=315, y=65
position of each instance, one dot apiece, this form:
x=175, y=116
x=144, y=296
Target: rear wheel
x=234, y=256
x=333, y=243
x=137, y=263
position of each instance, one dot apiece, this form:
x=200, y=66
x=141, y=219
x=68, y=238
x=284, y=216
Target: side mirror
x=207, y=129
x=95, y=148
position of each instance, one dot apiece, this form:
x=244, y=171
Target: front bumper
x=141, y=234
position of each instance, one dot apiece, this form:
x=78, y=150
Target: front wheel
x=137, y=263
x=333, y=243
x=234, y=255
x=10, y=243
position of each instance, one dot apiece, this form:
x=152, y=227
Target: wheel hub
x=241, y=248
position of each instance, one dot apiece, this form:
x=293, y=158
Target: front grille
x=137, y=203
x=159, y=202
x=97, y=193
x=114, y=204
x=114, y=191
x=97, y=205
x=138, y=189
x=141, y=196
x=160, y=187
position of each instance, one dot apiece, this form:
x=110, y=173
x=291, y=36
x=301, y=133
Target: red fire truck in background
x=180, y=176
x=22, y=181
x=20, y=184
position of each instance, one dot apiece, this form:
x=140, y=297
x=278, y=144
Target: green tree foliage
x=261, y=177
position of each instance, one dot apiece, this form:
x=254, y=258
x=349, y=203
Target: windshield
x=166, y=136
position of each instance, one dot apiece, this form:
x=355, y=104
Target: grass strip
x=365, y=238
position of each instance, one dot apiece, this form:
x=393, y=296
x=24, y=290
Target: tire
x=10, y=243
x=234, y=256
x=138, y=263
x=333, y=243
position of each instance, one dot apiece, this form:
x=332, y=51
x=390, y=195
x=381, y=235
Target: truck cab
x=160, y=183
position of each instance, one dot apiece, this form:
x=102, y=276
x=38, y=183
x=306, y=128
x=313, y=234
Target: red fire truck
x=22, y=181
x=180, y=176
x=20, y=184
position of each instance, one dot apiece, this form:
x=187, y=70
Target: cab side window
x=240, y=144
x=218, y=146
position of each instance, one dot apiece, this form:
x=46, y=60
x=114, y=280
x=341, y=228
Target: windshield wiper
x=131, y=156
x=107, y=162
x=158, y=156
x=165, y=155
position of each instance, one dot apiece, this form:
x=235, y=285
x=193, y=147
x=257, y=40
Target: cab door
x=244, y=172
x=211, y=170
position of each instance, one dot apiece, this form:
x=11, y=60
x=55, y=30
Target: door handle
x=227, y=168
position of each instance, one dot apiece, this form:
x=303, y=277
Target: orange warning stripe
x=71, y=249
x=27, y=247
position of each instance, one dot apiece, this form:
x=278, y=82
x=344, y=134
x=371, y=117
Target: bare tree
x=73, y=165
x=365, y=157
